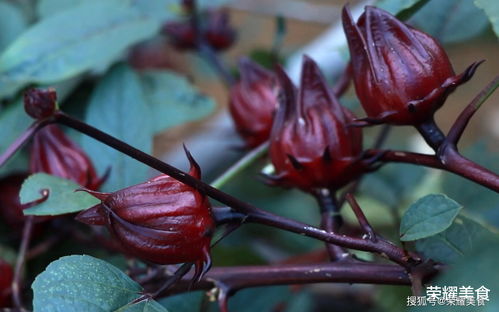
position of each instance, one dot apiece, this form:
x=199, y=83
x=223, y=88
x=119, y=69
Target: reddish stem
x=464, y=118
x=331, y=221
x=361, y=217
x=20, y=141
x=460, y=165
x=239, y=277
x=255, y=214
x=451, y=160
x=21, y=258
x=407, y=157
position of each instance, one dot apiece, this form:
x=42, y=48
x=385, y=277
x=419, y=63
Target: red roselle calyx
x=401, y=75
x=54, y=153
x=162, y=220
x=6, y=277
x=253, y=101
x=40, y=103
x=11, y=209
x=215, y=30
x=311, y=144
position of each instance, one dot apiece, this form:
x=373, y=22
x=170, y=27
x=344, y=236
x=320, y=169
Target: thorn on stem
x=464, y=118
x=296, y=164
x=223, y=298
x=361, y=217
x=177, y=276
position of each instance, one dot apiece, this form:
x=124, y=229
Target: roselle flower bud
x=401, y=75
x=311, y=144
x=182, y=35
x=253, y=101
x=162, y=220
x=54, y=153
x=218, y=32
x=215, y=31
x=6, y=277
x=40, y=103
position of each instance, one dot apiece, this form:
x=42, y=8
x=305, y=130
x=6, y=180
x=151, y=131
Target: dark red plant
x=40, y=103
x=401, y=74
x=6, y=277
x=153, y=54
x=215, y=31
x=10, y=206
x=162, y=220
x=253, y=101
x=402, y=77
x=311, y=145
x=54, y=153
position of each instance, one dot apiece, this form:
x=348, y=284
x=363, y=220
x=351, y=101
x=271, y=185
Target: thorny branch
x=410, y=268
x=255, y=214
x=225, y=281
x=446, y=157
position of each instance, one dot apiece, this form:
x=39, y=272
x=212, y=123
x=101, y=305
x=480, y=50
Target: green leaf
x=453, y=243
x=72, y=42
x=185, y=302
x=8, y=254
x=475, y=269
x=62, y=197
x=145, y=306
x=428, y=216
x=393, y=184
x=46, y=8
x=162, y=10
x=206, y=4
x=390, y=298
x=173, y=99
x=480, y=202
x=302, y=301
x=292, y=204
x=118, y=107
x=403, y=9
x=83, y=283
x=262, y=299
x=378, y=213
x=265, y=57
x=230, y=254
x=491, y=9
x=159, y=9
x=451, y=20
x=13, y=122
x=12, y=23
x=18, y=163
